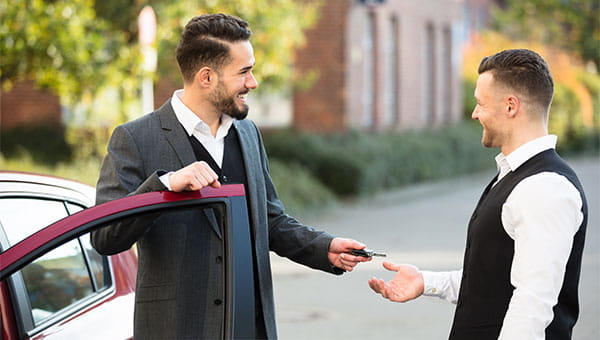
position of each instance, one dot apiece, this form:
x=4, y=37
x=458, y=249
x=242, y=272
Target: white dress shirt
x=194, y=126
x=542, y=215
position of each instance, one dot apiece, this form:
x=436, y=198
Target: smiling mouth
x=243, y=96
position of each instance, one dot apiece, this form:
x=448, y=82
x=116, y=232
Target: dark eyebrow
x=247, y=68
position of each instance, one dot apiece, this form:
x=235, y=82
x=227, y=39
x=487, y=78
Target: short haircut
x=524, y=71
x=204, y=42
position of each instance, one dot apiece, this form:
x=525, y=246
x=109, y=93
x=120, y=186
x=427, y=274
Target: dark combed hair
x=523, y=71
x=203, y=42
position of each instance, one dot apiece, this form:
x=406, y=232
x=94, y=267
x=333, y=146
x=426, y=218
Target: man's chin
x=240, y=114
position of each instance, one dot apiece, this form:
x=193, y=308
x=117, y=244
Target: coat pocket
x=159, y=292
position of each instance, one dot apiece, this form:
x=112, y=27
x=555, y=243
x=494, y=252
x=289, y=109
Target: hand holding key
x=340, y=253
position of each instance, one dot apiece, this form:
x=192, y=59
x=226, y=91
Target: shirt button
x=218, y=259
x=431, y=291
x=224, y=178
x=218, y=302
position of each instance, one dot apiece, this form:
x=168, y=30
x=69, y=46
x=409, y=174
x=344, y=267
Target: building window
x=392, y=76
x=448, y=76
x=368, y=93
x=430, y=92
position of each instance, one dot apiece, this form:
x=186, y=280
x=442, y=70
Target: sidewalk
x=425, y=225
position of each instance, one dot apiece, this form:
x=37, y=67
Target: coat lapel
x=175, y=134
x=251, y=165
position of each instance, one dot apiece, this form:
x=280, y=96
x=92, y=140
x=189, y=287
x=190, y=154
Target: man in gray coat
x=196, y=139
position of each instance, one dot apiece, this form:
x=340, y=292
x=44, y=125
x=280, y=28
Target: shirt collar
x=526, y=151
x=190, y=121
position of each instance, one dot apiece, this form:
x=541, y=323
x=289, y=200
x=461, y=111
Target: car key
x=366, y=253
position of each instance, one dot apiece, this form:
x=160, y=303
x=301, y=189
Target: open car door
x=228, y=202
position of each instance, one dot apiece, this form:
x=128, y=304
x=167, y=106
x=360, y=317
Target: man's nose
x=475, y=114
x=251, y=83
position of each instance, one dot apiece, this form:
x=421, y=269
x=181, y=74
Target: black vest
x=485, y=290
x=233, y=171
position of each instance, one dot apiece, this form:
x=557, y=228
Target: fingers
x=376, y=285
x=391, y=266
x=354, y=259
x=341, y=245
x=204, y=174
x=353, y=244
x=216, y=184
x=348, y=262
x=194, y=177
x=380, y=287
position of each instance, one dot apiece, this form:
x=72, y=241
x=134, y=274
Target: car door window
x=23, y=216
x=56, y=280
x=97, y=263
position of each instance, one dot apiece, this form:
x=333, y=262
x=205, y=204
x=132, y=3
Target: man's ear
x=206, y=77
x=513, y=106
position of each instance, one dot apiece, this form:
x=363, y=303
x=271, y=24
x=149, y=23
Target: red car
x=54, y=285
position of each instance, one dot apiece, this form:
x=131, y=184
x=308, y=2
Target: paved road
x=424, y=225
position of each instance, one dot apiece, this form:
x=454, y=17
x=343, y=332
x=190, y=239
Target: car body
x=54, y=285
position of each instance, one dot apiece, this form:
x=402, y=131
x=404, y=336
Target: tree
x=570, y=24
x=86, y=51
x=65, y=47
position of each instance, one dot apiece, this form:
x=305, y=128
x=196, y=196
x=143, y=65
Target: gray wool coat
x=179, y=283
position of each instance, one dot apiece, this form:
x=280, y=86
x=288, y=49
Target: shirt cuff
x=164, y=179
x=432, y=282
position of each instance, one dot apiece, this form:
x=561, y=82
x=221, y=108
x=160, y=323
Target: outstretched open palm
x=406, y=285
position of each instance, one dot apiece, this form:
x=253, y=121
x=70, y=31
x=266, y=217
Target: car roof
x=16, y=183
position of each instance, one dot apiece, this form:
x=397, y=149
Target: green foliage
x=299, y=191
x=573, y=25
x=88, y=143
x=564, y=119
x=469, y=101
x=592, y=83
x=43, y=144
x=358, y=163
x=65, y=47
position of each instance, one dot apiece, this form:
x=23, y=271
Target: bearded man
x=200, y=138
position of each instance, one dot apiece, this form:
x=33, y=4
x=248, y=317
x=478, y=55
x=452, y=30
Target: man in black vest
x=200, y=137
x=525, y=238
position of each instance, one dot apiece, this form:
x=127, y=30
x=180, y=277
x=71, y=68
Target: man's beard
x=226, y=104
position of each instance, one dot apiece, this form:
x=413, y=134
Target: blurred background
x=343, y=83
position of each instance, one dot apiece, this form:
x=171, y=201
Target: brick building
x=24, y=104
x=383, y=64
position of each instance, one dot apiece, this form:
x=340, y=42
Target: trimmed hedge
x=358, y=163
x=299, y=191
x=45, y=144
